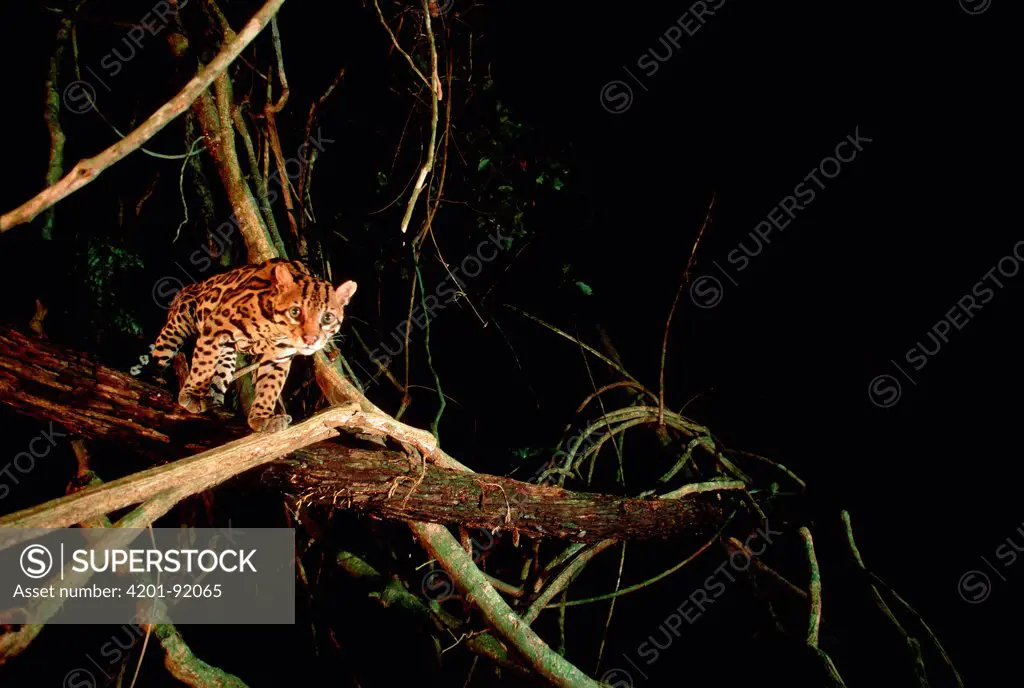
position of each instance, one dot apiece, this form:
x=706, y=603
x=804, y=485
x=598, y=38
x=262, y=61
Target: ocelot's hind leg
x=212, y=365
x=175, y=331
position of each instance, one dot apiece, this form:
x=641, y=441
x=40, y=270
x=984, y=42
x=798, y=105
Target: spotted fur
x=272, y=311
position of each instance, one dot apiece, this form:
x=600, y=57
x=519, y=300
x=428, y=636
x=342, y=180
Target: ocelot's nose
x=309, y=339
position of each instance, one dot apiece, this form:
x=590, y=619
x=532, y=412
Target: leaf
x=542, y=177
x=506, y=188
x=585, y=288
x=557, y=183
x=484, y=162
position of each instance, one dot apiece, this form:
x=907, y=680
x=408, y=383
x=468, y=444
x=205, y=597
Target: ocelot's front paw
x=269, y=423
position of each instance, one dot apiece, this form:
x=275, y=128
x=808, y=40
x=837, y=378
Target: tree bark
x=387, y=484
x=49, y=382
x=52, y=383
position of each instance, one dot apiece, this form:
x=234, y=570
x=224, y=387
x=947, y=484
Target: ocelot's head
x=307, y=310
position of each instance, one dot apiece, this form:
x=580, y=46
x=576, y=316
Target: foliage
x=107, y=270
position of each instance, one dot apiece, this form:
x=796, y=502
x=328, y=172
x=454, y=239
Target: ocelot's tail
x=136, y=369
x=176, y=330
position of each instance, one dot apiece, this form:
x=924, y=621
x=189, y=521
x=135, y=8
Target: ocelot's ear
x=282, y=276
x=344, y=292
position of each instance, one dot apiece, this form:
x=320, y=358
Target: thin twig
x=259, y=181
x=927, y=629
x=270, y=111
x=306, y=179
x=611, y=609
x=142, y=652
x=285, y=91
x=765, y=569
x=793, y=476
x=434, y=424
x=274, y=138
x=652, y=580
x=564, y=578
x=616, y=432
x=505, y=588
x=394, y=41
x=913, y=645
x=675, y=301
x=381, y=367
x=55, y=166
x=435, y=88
x=597, y=449
x=568, y=336
x=621, y=383
x=428, y=224
x=565, y=555
x=181, y=188
x=406, y=398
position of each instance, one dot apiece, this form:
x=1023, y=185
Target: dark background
x=744, y=109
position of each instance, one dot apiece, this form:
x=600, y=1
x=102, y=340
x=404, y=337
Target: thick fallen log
x=389, y=485
x=49, y=382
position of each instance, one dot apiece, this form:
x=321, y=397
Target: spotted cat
x=272, y=310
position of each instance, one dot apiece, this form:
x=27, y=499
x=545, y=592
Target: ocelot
x=272, y=311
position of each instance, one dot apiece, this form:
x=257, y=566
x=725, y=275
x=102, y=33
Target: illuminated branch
x=88, y=169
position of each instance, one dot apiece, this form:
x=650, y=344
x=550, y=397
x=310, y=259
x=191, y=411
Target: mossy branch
x=55, y=166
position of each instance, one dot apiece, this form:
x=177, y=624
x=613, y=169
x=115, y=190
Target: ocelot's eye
x=327, y=319
x=295, y=312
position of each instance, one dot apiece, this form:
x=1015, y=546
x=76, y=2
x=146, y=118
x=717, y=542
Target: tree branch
x=389, y=485
x=218, y=126
x=44, y=381
x=435, y=95
x=185, y=477
x=179, y=660
x=440, y=544
x=88, y=169
x=391, y=593
x=51, y=114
